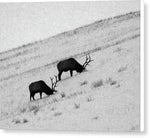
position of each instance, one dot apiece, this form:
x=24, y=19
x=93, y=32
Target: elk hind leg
x=33, y=97
x=30, y=97
x=71, y=73
x=40, y=95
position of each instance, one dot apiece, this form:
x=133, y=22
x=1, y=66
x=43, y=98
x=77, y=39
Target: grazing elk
x=41, y=87
x=71, y=64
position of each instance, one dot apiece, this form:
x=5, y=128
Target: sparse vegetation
x=98, y=83
x=75, y=94
x=25, y=120
x=63, y=95
x=34, y=109
x=89, y=99
x=23, y=110
x=118, y=86
x=134, y=128
x=55, y=100
x=95, y=118
x=117, y=49
x=122, y=68
x=16, y=121
x=19, y=121
x=76, y=106
x=53, y=108
x=57, y=114
x=111, y=82
x=83, y=83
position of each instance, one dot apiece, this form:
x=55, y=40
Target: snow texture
x=106, y=97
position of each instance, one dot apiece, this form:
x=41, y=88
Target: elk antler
x=87, y=61
x=54, y=84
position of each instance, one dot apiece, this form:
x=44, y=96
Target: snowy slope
x=104, y=98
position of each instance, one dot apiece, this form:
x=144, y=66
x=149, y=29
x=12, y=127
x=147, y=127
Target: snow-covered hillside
x=104, y=98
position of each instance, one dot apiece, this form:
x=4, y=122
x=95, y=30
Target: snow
x=106, y=97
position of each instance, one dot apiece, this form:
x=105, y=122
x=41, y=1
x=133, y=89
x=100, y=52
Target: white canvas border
x=142, y=66
x=142, y=111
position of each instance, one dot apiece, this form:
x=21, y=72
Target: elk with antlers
x=41, y=87
x=71, y=64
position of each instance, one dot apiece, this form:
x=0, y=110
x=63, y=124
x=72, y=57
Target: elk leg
x=33, y=97
x=30, y=97
x=40, y=95
x=71, y=72
x=59, y=75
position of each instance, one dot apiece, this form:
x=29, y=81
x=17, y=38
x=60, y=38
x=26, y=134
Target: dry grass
x=36, y=111
x=16, y=121
x=83, y=83
x=95, y=118
x=134, y=128
x=63, y=95
x=122, y=68
x=89, y=99
x=118, y=86
x=57, y=114
x=20, y=121
x=25, y=120
x=98, y=83
x=117, y=49
x=23, y=110
x=53, y=108
x=34, y=108
x=111, y=81
x=76, y=106
x=55, y=100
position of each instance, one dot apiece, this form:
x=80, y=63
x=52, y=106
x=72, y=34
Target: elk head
x=54, y=83
x=87, y=61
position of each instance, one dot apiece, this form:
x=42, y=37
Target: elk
x=41, y=87
x=70, y=65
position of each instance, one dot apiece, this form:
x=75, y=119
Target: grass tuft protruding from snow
x=123, y=68
x=89, y=99
x=110, y=81
x=57, y=114
x=83, y=83
x=20, y=121
x=95, y=118
x=76, y=106
x=117, y=50
x=23, y=110
x=34, y=109
x=98, y=83
x=63, y=95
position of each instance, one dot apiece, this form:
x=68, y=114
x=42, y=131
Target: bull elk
x=70, y=65
x=41, y=87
